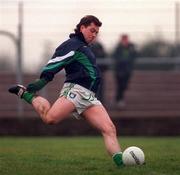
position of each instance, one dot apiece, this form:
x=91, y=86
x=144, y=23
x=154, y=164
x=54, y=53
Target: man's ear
x=82, y=27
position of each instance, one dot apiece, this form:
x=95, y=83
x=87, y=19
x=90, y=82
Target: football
x=133, y=156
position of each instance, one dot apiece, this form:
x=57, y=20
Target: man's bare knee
x=50, y=120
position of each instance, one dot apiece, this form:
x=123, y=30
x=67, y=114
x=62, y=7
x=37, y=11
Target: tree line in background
x=6, y=63
x=158, y=48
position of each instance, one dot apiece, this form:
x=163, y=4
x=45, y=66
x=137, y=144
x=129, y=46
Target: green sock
x=117, y=157
x=28, y=97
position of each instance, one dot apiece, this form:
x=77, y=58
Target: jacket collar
x=78, y=36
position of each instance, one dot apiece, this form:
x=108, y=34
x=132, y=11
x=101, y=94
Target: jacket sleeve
x=56, y=64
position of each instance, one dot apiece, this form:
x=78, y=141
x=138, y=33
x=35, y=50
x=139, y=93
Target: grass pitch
x=84, y=156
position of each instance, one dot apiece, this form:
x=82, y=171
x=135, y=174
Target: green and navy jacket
x=79, y=62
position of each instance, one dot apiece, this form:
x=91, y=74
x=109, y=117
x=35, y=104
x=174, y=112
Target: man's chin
x=90, y=41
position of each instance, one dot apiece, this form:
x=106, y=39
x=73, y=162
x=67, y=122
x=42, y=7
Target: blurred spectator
x=100, y=53
x=124, y=56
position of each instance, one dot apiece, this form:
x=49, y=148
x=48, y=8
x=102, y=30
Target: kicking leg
x=49, y=114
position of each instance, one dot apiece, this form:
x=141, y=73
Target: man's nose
x=94, y=34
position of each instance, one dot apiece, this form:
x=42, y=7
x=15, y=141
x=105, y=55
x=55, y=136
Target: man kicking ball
x=80, y=86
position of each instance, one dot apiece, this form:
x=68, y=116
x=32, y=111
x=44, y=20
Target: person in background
x=100, y=54
x=124, y=56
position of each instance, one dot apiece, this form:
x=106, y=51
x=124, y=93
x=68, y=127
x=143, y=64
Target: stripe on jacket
x=61, y=58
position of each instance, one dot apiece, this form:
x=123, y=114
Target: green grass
x=84, y=156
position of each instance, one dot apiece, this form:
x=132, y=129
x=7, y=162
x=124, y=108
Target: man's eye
x=94, y=31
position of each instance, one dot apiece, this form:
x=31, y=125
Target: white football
x=133, y=156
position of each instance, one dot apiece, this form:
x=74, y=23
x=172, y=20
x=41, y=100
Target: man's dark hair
x=87, y=20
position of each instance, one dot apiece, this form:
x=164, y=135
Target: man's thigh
x=61, y=109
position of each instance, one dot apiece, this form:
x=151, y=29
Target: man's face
x=125, y=41
x=90, y=32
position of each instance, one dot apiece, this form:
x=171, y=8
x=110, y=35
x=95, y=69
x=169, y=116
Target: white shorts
x=81, y=97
